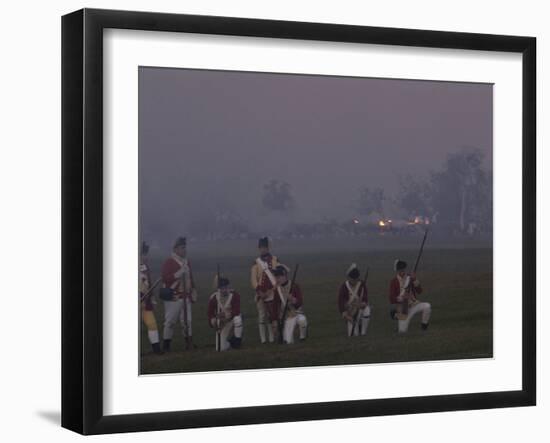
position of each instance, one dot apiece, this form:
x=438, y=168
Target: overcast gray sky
x=213, y=138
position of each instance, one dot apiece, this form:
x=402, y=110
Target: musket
x=410, y=287
x=155, y=284
x=421, y=250
x=282, y=319
x=185, y=324
x=218, y=332
x=356, y=316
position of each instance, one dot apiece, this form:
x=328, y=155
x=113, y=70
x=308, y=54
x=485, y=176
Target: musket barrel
x=218, y=332
x=153, y=286
x=421, y=250
x=356, y=317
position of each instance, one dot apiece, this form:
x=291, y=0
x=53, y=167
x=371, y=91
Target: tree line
x=456, y=197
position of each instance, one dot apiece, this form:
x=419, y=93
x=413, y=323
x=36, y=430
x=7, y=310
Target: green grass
x=457, y=282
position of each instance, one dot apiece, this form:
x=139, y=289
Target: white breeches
x=424, y=308
x=362, y=323
x=299, y=320
x=174, y=312
x=153, y=336
x=232, y=327
x=264, y=323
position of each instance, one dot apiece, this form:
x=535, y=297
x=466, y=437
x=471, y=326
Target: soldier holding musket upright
x=290, y=306
x=263, y=283
x=353, y=302
x=224, y=315
x=403, y=290
x=145, y=299
x=179, y=293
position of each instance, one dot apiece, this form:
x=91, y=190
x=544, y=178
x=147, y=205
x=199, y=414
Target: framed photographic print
x=270, y=221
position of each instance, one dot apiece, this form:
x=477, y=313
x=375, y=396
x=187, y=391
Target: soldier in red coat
x=224, y=315
x=404, y=288
x=353, y=303
x=145, y=299
x=289, y=294
x=263, y=283
x=179, y=293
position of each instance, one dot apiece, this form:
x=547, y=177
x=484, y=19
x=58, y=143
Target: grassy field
x=457, y=282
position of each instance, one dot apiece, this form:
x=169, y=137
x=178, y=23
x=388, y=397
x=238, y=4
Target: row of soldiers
x=279, y=301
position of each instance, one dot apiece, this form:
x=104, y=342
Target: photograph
x=290, y=220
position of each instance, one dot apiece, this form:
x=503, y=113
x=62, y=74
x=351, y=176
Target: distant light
x=355, y=221
x=381, y=223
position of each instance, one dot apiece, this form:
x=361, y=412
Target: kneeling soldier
x=353, y=302
x=289, y=294
x=403, y=290
x=224, y=315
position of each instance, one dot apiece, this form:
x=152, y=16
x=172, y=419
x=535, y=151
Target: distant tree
x=481, y=202
x=461, y=191
x=371, y=201
x=277, y=196
x=414, y=196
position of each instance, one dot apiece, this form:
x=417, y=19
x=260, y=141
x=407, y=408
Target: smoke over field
x=236, y=155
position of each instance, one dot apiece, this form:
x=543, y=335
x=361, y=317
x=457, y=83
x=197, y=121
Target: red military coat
x=287, y=292
x=169, y=280
x=344, y=295
x=232, y=307
x=395, y=290
x=259, y=279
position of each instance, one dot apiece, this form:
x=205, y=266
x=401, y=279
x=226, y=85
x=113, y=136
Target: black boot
x=166, y=345
x=235, y=342
x=424, y=326
x=156, y=348
x=306, y=335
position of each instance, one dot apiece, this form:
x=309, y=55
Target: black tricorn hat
x=223, y=282
x=144, y=248
x=180, y=241
x=353, y=271
x=263, y=242
x=398, y=265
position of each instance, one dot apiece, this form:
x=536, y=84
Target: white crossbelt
x=227, y=303
x=354, y=292
x=265, y=268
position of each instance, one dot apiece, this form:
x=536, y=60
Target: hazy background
x=338, y=148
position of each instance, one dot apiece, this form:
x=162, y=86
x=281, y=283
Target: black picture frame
x=82, y=218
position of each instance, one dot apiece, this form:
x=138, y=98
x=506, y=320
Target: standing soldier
x=224, y=315
x=147, y=307
x=403, y=290
x=263, y=282
x=353, y=302
x=289, y=294
x=178, y=292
